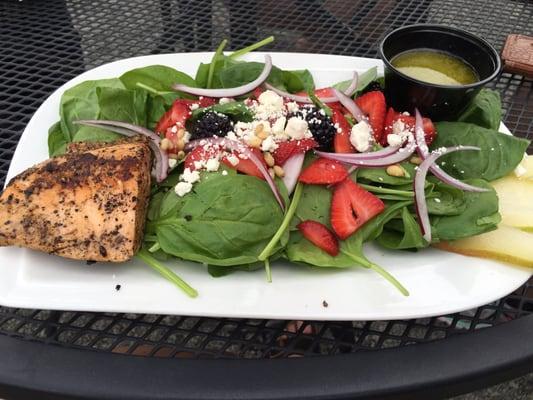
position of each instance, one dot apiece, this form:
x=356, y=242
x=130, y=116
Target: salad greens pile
x=232, y=222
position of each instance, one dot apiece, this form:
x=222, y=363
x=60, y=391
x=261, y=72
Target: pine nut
x=269, y=159
x=181, y=154
x=258, y=128
x=280, y=173
x=181, y=133
x=395, y=170
x=262, y=135
x=165, y=144
x=415, y=160
x=180, y=144
x=254, y=141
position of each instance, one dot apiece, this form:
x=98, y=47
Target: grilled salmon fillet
x=89, y=204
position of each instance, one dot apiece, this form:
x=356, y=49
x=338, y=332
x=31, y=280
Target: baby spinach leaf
x=159, y=78
x=499, y=155
x=113, y=104
x=480, y=215
x=57, y=144
x=242, y=73
x=446, y=200
x=380, y=176
x=81, y=102
x=237, y=110
x=218, y=271
x=409, y=237
x=484, y=110
x=217, y=223
x=364, y=80
x=298, y=81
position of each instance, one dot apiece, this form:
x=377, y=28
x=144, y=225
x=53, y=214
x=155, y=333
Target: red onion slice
x=229, y=92
x=119, y=124
x=387, y=151
x=423, y=152
x=292, y=168
x=354, y=159
x=419, y=183
x=235, y=145
x=350, y=90
x=350, y=105
x=160, y=167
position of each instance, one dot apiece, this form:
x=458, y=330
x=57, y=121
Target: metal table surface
x=51, y=354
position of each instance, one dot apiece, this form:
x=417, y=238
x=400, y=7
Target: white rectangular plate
x=439, y=282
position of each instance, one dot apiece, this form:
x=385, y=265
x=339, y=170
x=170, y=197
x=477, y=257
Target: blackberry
x=372, y=87
x=319, y=124
x=211, y=124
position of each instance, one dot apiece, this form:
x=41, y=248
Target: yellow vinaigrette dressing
x=435, y=67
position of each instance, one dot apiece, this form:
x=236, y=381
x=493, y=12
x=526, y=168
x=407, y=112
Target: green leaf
x=298, y=81
x=484, y=110
x=242, y=73
x=409, y=237
x=57, y=144
x=499, y=155
x=446, y=200
x=237, y=110
x=211, y=225
x=480, y=215
x=122, y=105
x=364, y=80
x=157, y=77
x=81, y=102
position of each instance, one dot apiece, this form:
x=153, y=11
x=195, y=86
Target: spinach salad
x=279, y=171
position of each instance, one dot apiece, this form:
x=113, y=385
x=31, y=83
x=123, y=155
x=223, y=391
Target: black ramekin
x=439, y=102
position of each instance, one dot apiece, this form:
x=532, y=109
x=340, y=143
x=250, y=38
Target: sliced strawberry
x=257, y=92
x=199, y=153
x=179, y=112
x=323, y=172
x=323, y=93
x=351, y=207
x=429, y=129
x=205, y=101
x=389, y=120
x=175, y=116
x=290, y=148
x=245, y=165
x=374, y=106
x=320, y=236
x=341, y=141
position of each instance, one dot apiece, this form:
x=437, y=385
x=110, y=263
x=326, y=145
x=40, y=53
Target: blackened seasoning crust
x=89, y=204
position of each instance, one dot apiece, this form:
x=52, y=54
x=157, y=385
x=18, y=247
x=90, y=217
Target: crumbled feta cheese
x=224, y=172
x=174, y=129
x=292, y=107
x=190, y=176
x=296, y=128
x=212, y=164
x=233, y=159
x=278, y=127
x=172, y=162
x=199, y=164
x=225, y=100
x=270, y=105
x=231, y=135
x=195, y=106
x=242, y=129
x=182, y=188
x=520, y=171
x=394, y=139
x=268, y=97
x=361, y=136
x=268, y=144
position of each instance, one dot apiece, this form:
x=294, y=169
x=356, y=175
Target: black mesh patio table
x=56, y=354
